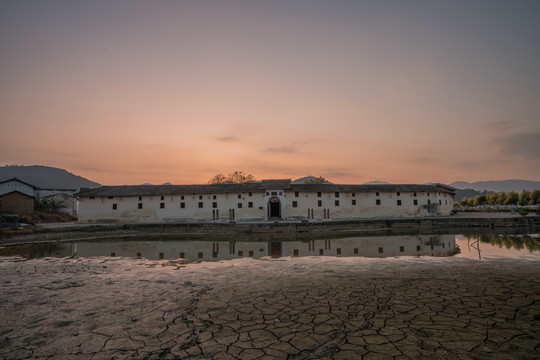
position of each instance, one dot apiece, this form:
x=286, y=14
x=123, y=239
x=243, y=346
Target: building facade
x=268, y=200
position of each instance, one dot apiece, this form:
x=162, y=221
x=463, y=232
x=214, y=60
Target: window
x=337, y=194
x=353, y=194
x=163, y=198
x=445, y=202
x=319, y=194
x=415, y=202
x=336, y=202
x=427, y=194
x=399, y=203
x=140, y=206
x=381, y=250
x=377, y=193
x=267, y=193
x=296, y=194
x=274, y=193
x=398, y=193
x=414, y=194
x=162, y=205
x=319, y=203
x=295, y=204
x=354, y=201
x=378, y=201
x=200, y=197
x=140, y=198
x=114, y=206
x=402, y=249
x=250, y=204
x=440, y=202
x=214, y=205
x=239, y=205
x=111, y=197
x=239, y=196
x=200, y=205
x=182, y=205
x=429, y=202
x=182, y=197
x=249, y=194
x=214, y=197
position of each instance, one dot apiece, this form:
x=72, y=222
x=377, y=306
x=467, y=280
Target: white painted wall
x=101, y=208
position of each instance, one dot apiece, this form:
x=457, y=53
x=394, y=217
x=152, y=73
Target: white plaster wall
x=101, y=208
x=41, y=193
x=14, y=185
x=366, y=204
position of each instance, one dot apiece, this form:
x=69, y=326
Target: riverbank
x=459, y=223
x=296, y=308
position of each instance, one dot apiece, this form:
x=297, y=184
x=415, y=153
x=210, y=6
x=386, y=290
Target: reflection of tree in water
x=31, y=251
x=518, y=242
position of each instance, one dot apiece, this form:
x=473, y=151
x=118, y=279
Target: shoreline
x=460, y=223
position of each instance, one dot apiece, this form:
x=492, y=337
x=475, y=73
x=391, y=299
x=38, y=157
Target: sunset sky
x=129, y=92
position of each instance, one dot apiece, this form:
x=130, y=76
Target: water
x=479, y=247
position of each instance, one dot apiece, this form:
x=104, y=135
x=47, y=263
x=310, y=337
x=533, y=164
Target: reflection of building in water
x=378, y=246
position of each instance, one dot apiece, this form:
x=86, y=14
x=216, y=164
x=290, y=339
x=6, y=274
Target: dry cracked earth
x=299, y=308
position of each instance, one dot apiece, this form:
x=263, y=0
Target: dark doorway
x=274, y=208
x=275, y=249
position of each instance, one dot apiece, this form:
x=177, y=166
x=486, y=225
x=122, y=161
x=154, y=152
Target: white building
x=270, y=200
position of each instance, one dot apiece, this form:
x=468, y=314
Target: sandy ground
x=288, y=308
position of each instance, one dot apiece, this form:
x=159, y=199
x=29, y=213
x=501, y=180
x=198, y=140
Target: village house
x=267, y=200
x=21, y=197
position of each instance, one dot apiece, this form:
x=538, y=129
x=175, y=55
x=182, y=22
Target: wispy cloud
x=228, y=139
x=282, y=149
x=522, y=145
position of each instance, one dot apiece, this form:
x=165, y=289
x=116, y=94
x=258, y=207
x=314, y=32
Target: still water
x=480, y=247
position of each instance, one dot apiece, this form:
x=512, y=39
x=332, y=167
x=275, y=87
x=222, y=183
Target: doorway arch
x=274, y=208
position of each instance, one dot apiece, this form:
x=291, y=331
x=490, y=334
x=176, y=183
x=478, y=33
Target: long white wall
x=254, y=206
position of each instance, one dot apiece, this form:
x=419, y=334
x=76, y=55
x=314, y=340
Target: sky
x=130, y=92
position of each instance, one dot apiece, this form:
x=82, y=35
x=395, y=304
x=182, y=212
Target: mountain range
x=498, y=185
x=46, y=177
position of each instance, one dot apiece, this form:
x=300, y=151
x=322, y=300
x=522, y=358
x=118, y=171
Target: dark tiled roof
x=364, y=188
x=150, y=190
x=276, y=184
x=16, y=179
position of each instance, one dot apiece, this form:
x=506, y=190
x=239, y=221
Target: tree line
x=502, y=198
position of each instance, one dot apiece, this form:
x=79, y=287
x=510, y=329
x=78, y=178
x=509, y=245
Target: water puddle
x=468, y=246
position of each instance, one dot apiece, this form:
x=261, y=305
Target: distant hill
x=498, y=185
x=309, y=179
x=46, y=177
x=468, y=193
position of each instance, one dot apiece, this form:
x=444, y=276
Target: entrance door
x=274, y=208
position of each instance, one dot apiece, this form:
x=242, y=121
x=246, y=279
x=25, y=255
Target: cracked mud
x=299, y=308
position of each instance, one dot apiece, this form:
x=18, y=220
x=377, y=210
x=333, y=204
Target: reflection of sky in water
x=474, y=247
x=499, y=246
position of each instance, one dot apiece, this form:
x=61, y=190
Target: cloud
x=501, y=125
x=282, y=149
x=521, y=145
x=228, y=139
